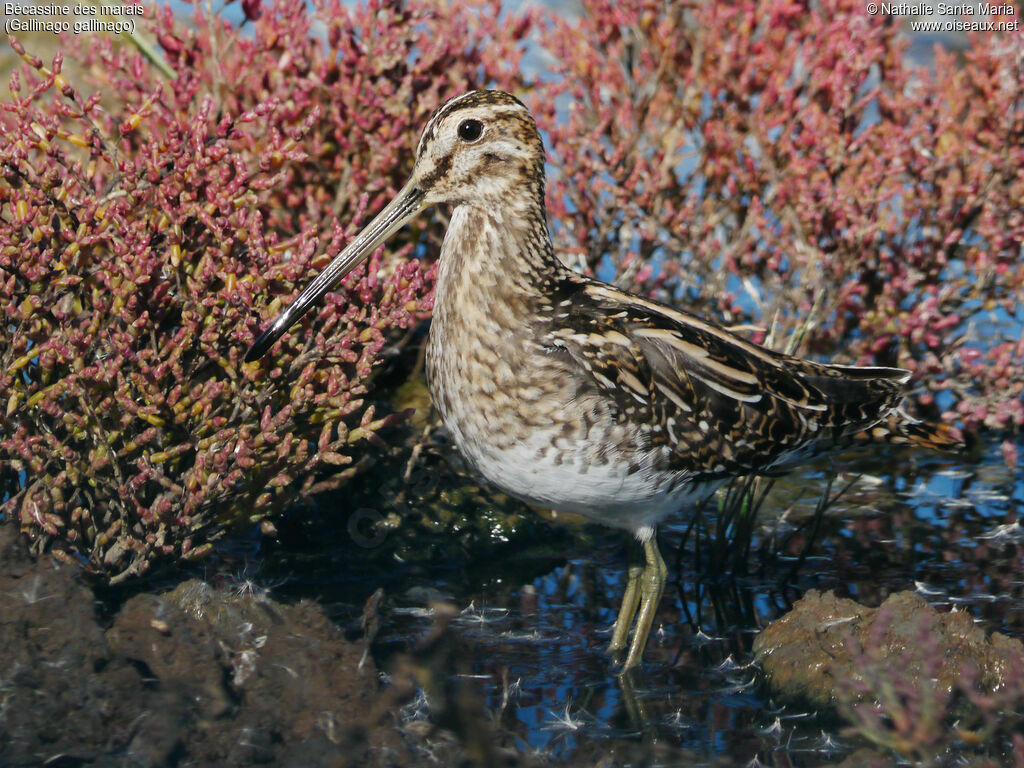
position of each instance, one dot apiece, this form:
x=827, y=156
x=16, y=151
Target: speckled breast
x=517, y=418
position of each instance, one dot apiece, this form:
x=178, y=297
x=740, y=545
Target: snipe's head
x=481, y=149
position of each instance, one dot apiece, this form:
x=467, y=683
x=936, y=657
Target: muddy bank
x=813, y=652
x=206, y=677
x=193, y=676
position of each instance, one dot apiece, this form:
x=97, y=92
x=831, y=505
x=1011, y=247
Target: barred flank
x=899, y=431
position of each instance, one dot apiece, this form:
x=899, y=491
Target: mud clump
x=811, y=652
x=196, y=676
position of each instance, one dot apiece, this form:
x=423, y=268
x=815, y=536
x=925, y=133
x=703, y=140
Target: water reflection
x=531, y=628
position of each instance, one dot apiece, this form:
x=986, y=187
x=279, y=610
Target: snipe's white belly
x=605, y=477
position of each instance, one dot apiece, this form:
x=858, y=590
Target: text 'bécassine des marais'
x=80, y=9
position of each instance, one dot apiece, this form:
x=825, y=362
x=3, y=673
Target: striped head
x=481, y=149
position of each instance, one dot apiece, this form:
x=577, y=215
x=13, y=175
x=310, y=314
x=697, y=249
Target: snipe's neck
x=506, y=248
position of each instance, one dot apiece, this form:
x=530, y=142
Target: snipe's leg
x=652, y=584
x=627, y=609
x=644, y=586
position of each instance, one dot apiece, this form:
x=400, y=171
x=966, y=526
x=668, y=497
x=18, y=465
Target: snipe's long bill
x=572, y=395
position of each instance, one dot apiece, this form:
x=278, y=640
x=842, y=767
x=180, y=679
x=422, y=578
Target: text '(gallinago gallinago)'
x=572, y=395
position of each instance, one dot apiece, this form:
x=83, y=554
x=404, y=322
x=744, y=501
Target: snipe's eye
x=470, y=130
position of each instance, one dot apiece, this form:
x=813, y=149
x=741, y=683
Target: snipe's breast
x=522, y=418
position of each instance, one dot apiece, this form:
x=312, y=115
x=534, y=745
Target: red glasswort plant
x=910, y=691
x=778, y=163
x=149, y=226
x=766, y=161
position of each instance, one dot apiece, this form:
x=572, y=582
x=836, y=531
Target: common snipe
x=572, y=395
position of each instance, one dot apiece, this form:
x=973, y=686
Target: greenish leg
x=652, y=584
x=627, y=610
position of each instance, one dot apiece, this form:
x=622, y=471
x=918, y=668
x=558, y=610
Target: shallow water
x=534, y=618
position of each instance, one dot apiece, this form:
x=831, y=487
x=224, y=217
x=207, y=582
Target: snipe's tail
x=901, y=429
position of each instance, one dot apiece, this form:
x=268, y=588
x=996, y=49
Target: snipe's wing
x=722, y=403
